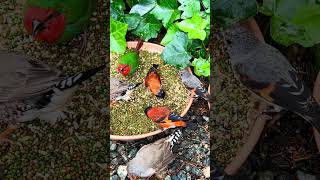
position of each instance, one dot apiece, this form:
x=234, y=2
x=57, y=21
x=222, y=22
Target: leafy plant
x=118, y=32
x=184, y=23
x=227, y=12
x=293, y=21
x=201, y=67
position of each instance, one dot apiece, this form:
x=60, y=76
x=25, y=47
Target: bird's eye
x=228, y=41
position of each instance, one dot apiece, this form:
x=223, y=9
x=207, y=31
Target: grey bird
x=121, y=90
x=192, y=82
x=30, y=89
x=268, y=74
x=153, y=158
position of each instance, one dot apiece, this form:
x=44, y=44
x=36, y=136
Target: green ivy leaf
x=206, y=4
x=131, y=3
x=166, y=11
x=143, y=7
x=293, y=21
x=197, y=49
x=194, y=27
x=227, y=12
x=170, y=34
x=148, y=27
x=116, y=9
x=132, y=20
x=189, y=8
x=118, y=32
x=175, y=53
x=201, y=67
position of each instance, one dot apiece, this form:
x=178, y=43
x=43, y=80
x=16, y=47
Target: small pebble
x=122, y=172
x=114, y=177
x=132, y=153
x=206, y=172
x=188, y=168
x=206, y=118
x=167, y=177
x=113, y=147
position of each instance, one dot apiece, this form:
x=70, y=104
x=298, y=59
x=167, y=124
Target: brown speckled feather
x=22, y=77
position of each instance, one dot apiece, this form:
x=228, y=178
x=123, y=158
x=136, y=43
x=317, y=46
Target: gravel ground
x=73, y=148
x=193, y=150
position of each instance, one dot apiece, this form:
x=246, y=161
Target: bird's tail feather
x=311, y=113
x=202, y=92
x=175, y=117
x=78, y=78
x=131, y=87
x=174, y=137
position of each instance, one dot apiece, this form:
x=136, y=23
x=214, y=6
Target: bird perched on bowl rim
x=192, y=82
x=153, y=158
x=268, y=74
x=30, y=89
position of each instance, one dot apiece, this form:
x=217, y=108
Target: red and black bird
x=166, y=118
x=153, y=82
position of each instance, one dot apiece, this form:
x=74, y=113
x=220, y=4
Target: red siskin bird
x=166, y=118
x=153, y=82
x=57, y=21
x=129, y=62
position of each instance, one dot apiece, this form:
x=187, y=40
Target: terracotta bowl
x=153, y=48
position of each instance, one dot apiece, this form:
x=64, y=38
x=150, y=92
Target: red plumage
x=54, y=23
x=153, y=82
x=165, y=117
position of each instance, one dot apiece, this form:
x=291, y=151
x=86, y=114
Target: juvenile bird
x=153, y=82
x=129, y=62
x=57, y=21
x=192, y=82
x=30, y=89
x=267, y=73
x=153, y=158
x=121, y=90
x=166, y=118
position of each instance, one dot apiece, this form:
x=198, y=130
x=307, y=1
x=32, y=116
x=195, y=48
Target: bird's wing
x=117, y=88
x=157, y=154
x=166, y=158
x=267, y=73
x=22, y=77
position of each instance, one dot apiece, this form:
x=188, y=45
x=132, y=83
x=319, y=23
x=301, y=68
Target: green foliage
x=201, y=67
x=166, y=11
x=175, y=53
x=227, y=12
x=186, y=28
x=170, y=34
x=194, y=27
x=143, y=7
x=148, y=27
x=117, y=8
x=293, y=21
x=189, y=8
x=118, y=32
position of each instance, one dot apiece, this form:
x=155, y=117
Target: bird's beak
x=37, y=26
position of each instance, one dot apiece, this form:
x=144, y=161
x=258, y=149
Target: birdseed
x=229, y=124
x=74, y=148
x=128, y=117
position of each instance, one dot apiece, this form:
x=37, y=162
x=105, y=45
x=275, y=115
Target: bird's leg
x=84, y=43
x=4, y=135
